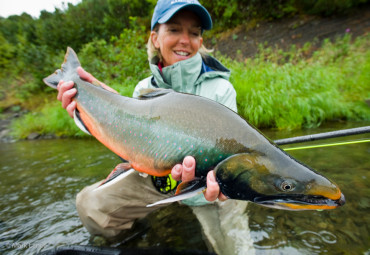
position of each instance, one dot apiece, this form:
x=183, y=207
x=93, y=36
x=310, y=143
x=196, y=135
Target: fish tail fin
x=185, y=190
x=69, y=65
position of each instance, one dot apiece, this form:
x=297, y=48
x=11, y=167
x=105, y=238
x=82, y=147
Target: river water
x=40, y=179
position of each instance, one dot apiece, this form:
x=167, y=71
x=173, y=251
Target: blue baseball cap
x=165, y=9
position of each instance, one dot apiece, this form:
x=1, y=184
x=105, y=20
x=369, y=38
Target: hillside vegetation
x=276, y=88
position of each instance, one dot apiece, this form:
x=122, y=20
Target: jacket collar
x=185, y=75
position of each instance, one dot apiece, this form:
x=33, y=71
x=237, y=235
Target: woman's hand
x=66, y=91
x=186, y=172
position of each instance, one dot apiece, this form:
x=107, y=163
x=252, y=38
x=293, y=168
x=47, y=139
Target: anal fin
x=119, y=169
x=185, y=190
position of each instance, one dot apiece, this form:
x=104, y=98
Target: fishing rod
x=320, y=136
x=326, y=145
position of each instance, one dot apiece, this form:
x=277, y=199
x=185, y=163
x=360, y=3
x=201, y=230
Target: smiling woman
x=176, y=63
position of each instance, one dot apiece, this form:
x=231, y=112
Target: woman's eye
x=173, y=30
x=195, y=33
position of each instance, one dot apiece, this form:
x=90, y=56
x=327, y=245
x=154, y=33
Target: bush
x=231, y=13
x=122, y=62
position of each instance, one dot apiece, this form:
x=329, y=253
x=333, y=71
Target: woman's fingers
x=70, y=108
x=65, y=94
x=185, y=171
x=213, y=189
x=63, y=87
x=67, y=97
x=176, y=172
x=85, y=75
x=90, y=78
x=188, y=169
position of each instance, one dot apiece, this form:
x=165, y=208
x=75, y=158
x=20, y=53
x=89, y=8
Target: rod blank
x=320, y=136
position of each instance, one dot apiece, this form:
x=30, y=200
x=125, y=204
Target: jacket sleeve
x=143, y=84
x=221, y=91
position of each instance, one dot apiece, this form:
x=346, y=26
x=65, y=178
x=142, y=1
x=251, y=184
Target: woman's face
x=179, y=38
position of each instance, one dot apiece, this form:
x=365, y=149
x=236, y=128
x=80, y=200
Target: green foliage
x=231, y=13
x=122, y=62
x=52, y=119
x=274, y=92
x=120, y=13
x=7, y=51
x=328, y=7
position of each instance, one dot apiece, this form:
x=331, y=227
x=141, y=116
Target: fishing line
x=326, y=145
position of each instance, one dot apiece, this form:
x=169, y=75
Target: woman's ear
x=154, y=38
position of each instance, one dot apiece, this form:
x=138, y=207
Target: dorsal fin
x=151, y=93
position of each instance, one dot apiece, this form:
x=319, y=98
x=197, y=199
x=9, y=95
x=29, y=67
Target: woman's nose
x=185, y=38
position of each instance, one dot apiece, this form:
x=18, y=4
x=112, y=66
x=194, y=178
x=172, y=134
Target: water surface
x=40, y=179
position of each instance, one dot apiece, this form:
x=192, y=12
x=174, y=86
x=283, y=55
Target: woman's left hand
x=90, y=78
x=186, y=172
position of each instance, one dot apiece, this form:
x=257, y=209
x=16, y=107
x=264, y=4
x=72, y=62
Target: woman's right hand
x=66, y=91
x=186, y=172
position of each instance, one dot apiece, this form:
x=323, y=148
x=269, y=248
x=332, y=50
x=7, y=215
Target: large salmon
x=156, y=131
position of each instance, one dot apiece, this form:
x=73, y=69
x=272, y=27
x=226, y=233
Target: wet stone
x=33, y=136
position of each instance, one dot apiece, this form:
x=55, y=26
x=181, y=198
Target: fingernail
x=177, y=169
x=188, y=163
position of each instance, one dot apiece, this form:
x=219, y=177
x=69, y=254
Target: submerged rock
x=33, y=136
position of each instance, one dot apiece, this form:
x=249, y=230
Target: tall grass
x=287, y=91
x=52, y=119
x=283, y=90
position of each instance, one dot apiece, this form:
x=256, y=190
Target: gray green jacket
x=200, y=76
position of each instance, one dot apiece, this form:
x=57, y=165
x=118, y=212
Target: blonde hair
x=155, y=52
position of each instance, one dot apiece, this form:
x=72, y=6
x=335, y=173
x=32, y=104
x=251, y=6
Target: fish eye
x=287, y=186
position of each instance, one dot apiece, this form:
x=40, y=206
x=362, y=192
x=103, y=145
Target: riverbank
x=6, y=120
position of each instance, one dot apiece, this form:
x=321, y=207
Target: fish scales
x=158, y=130
x=152, y=130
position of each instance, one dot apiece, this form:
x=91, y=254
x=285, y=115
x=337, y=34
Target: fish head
x=277, y=181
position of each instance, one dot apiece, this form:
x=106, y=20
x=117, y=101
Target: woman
x=178, y=61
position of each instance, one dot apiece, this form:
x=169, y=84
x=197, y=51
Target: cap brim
x=199, y=10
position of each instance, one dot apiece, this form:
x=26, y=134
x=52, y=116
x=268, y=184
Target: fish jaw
x=256, y=178
x=300, y=203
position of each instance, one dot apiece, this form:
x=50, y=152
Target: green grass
x=52, y=119
x=286, y=91
x=276, y=89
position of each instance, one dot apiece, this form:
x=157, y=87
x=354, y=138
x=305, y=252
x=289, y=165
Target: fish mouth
x=300, y=202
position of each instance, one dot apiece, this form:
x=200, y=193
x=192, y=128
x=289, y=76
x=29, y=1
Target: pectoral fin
x=185, y=190
x=79, y=122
